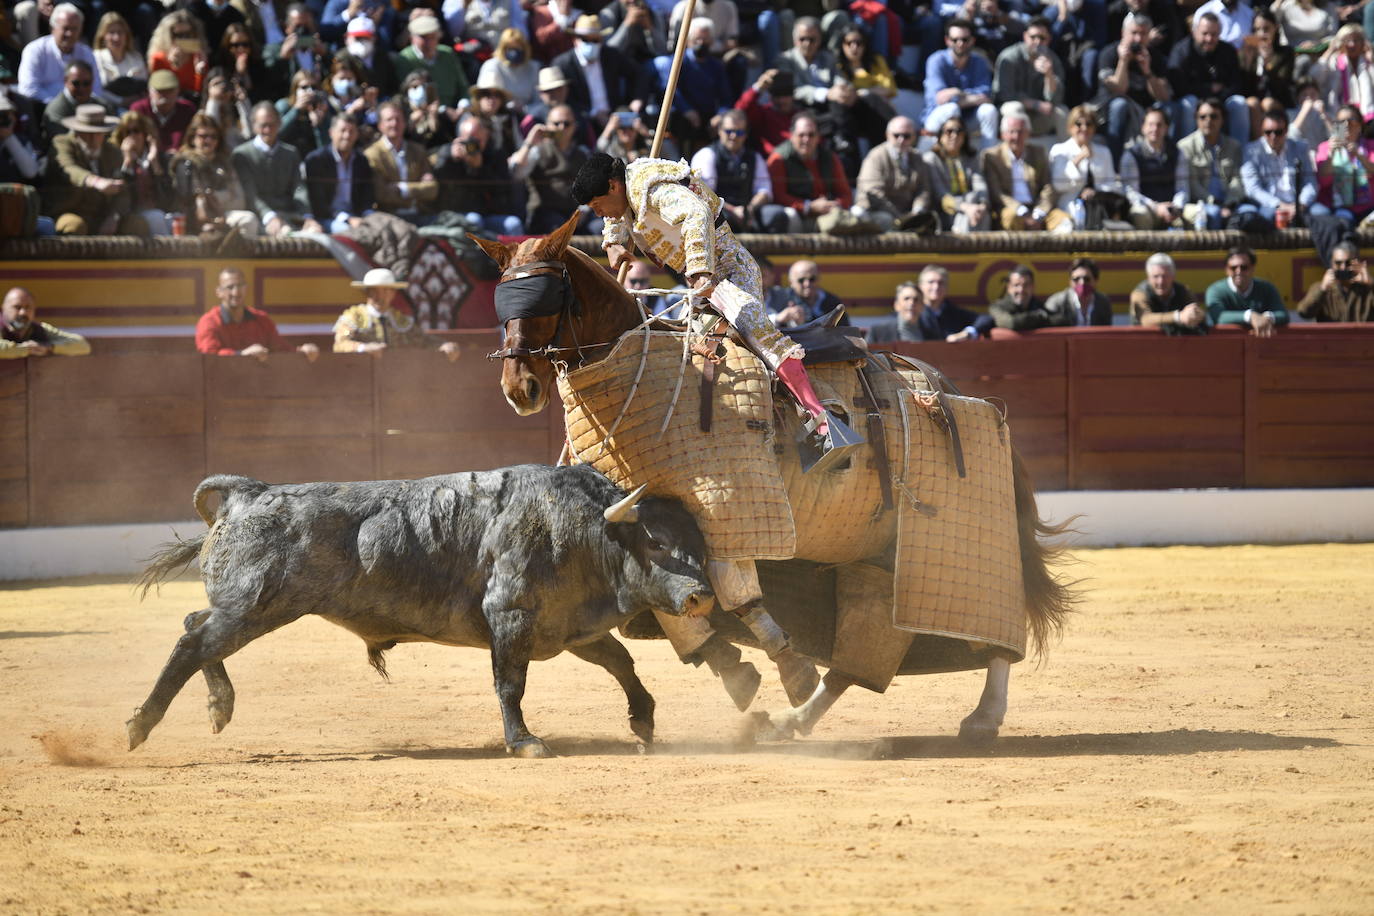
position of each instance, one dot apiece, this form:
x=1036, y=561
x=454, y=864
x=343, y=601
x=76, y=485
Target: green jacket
x=1226, y=306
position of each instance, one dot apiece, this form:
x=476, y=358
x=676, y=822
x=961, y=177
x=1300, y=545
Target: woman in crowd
x=551, y=25
x=425, y=124
x=178, y=44
x=348, y=89
x=1306, y=25
x=118, y=58
x=493, y=104
x=228, y=105
x=144, y=171
x=206, y=186
x=1266, y=69
x=512, y=68
x=1345, y=72
x=867, y=71
x=955, y=180
x=625, y=137
x=1344, y=168
x=1082, y=170
x=306, y=113
x=239, y=55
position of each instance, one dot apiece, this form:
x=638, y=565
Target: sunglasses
x=901, y=136
x=560, y=124
x=1273, y=132
x=807, y=39
x=853, y=42
x=1347, y=120
x=952, y=131
x=637, y=282
x=731, y=132
x=807, y=279
x=79, y=83
x=240, y=44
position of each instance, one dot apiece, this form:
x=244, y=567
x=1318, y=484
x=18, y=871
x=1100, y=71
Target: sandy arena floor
x=1199, y=743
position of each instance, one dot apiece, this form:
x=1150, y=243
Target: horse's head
x=552, y=296
x=525, y=378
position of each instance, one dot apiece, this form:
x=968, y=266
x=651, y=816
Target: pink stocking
x=793, y=375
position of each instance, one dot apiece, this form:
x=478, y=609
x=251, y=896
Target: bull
x=526, y=561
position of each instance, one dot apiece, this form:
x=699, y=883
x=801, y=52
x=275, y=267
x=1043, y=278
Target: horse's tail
x=1050, y=597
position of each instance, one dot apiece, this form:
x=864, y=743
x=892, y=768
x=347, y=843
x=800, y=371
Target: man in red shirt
x=770, y=121
x=234, y=329
x=807, y=180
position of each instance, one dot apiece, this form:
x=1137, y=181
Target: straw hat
x=379, y=277
x=487, y=85
x=550, y=78
x=91, y=119
x=588, y=26
x=164, y=81
x=424, y=25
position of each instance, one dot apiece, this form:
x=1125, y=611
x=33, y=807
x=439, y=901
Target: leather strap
x=939, y=383
x=708, y=381
x=877, y=439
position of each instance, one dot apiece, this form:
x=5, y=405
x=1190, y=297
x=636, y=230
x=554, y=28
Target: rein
x=569, y=305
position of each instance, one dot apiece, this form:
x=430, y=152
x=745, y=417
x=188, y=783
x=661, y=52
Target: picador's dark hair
x=594, y=178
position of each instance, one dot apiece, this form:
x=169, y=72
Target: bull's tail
x=223, y=484
x=1050, y=597
x=171, y=559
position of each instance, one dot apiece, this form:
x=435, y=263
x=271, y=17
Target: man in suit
x=893, y=187
x=338, y=179
x=77, y=83
x=1018, y=177
x=942, y=320
x=600, y=78
x=1207, y=182
x=403, y=181
x=270, y=173
x=906, y=325
x=1081, y=304
x=806, y=300
x=83, y=190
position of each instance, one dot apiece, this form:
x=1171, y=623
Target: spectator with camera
x=770, y=121
x=1131, y=79
x=1344, y=165
x=348, y=89
x=625, y=137
x=259, y=79
x=1345, y=292
x=44, y=61
x=144, y=171
x=402, y=178
x=740, y=176
x=18, y=160
x=475, y=180
x=1202, y=66
x=206, y=185
x=164, y=106
x=301, y=48
x=226, y=102
x=338, y=179
x=548, y=162
x=362, y=44
x=1031, y=74
x=1161, y=301
x=1240, y=298
x=269, y=171
x=83, y=189
x=1207, y=182
x=179, y=44
x=600, y=79
x=306, y=113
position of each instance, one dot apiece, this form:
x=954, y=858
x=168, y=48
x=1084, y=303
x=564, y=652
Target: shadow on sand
x=1179, y=742
x=47, y=634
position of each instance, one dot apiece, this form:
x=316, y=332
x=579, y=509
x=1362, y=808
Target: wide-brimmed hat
x=550, y=78
x=379, y=277
x=91, y=119
x=424, y=25
x=487, y=85
x=164, y=81
x=588, y=26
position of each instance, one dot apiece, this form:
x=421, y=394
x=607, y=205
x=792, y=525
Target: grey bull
x=527, y=561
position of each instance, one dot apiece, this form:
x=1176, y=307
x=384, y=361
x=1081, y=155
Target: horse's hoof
x=530, y=747
x=977, y=732
x=764, y=727
x=799, y=676
x=643, y=728
x=741, y=683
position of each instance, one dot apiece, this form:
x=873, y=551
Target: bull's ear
x=495, y=250
x=557, y=240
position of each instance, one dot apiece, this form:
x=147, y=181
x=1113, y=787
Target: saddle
x=825, y=342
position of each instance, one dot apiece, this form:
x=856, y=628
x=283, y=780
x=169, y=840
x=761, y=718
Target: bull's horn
x=625, y=510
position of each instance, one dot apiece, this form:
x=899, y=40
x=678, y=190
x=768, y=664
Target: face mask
x=359, y=48
x=588, y=51
x=515, y=56
x=417, y=95
x=1081, y=289
x=702, y=49
x=343, y=88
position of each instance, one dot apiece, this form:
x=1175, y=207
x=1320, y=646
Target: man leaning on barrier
x=233, y=329
x=376, y=326
x=21, y=335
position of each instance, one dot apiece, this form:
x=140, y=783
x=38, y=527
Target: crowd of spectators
x=159, y=116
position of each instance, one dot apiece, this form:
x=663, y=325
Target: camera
x=625, y=118
x=1135, y=47
x=1344, y=275
x=318, y=98
x=304, y=42
x=471, y=147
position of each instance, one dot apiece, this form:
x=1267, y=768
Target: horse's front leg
x=981, y=725
x=783, y=726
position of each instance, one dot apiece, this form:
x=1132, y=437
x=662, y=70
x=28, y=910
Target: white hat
x=424, y=25
x=379, y=277
x=362, y=25
x=551, y=78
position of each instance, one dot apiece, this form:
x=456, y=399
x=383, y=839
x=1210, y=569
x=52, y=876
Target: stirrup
x=823, y=452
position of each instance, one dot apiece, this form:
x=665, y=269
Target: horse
x=591, y=321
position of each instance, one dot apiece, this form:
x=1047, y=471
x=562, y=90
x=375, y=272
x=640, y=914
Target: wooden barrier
x=125, y=434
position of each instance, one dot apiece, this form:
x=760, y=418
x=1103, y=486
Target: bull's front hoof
x=978, y=731
x=221, y=712
x=138, y=730
x=530, y=747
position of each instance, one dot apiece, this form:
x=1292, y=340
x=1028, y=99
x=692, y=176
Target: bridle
x=568, y=307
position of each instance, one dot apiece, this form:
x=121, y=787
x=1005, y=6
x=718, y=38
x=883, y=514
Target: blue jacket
x=1261, y=173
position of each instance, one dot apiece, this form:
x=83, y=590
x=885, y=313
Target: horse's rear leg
x=221, y=699
x=981, y=725
x=609, y=653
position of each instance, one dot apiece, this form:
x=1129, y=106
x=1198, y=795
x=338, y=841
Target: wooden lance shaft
x=667, y=106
